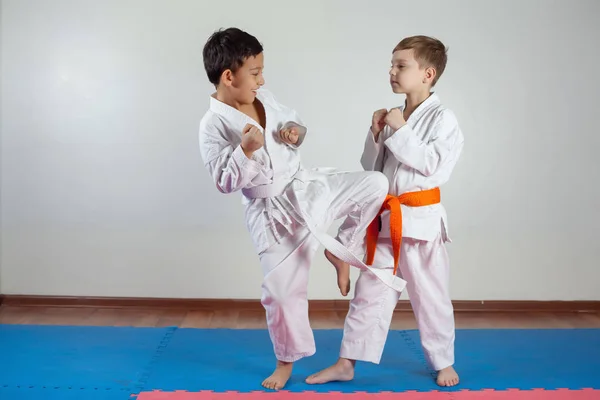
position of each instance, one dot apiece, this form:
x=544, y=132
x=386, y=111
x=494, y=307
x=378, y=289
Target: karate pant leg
x=425, y=267
x=358, y=196
x=428, y=275
x=370, y=314
x=284, y=294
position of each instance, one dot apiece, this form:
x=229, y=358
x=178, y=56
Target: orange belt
x=392, y=203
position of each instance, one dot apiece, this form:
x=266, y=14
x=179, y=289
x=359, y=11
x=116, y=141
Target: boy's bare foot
x=342, y=371
x=280, y=376
x=343, y=272
x=447, y=377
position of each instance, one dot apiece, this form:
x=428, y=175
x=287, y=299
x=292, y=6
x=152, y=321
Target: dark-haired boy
x=249, y=142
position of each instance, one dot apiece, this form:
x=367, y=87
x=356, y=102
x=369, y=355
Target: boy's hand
x=395, y=119
x=289, y=136
x=252, y=140
x=378, y=122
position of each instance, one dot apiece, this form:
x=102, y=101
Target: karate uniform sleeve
x=228, y=166
x=427, y=156
x=372, y=156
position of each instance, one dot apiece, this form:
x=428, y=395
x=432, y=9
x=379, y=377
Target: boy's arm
x=427, y=157
x=372, y=156
x=230, y=169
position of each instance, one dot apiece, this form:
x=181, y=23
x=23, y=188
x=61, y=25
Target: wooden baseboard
x=320, y=305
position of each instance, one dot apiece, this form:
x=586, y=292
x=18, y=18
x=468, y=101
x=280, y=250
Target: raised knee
x=380, y=183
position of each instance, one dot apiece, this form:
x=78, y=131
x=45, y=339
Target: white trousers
x=357, y=196
x=425, y=267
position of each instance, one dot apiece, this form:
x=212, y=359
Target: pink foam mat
x=512, y=394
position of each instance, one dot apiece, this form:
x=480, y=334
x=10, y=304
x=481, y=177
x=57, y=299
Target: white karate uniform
x=419, y=156
x=288, y=210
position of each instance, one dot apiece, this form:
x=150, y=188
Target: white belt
x=266, y=191
x=271, y=194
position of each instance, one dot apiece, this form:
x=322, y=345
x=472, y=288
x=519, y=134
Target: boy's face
x=405, y=74
x=246, y=80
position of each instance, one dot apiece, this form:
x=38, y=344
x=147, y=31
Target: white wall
x=1, y=119
x=103, y=192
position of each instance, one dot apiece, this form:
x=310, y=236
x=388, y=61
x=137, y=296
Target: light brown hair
x=428, y=51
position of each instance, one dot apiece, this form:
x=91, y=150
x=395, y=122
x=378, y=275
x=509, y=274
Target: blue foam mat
x=109, y=363
x=493, y=359
x=77, y=356
x=48, y=393
x=528, y=359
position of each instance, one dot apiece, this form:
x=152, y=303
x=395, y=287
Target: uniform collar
x=431, y=101
x=218, y=107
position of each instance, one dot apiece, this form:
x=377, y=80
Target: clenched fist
x=289, y=135
x=252, y=140
x=395, y=119
x=378, y=122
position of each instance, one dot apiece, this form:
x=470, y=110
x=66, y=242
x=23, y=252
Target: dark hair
x=228, y=49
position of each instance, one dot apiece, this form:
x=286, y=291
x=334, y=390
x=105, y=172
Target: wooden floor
x=241, y=319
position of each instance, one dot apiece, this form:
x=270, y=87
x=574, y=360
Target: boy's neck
x=414, y=100
x=224, y=97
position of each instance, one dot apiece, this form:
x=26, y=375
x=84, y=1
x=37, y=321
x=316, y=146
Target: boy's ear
x=430, y=74
x=227, y=77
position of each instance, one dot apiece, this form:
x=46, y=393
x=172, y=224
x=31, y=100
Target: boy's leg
x=358, y=196
x=425, y=267
x=367, y=323
x=371, y=310
x=284, y=296
x=427, y=271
